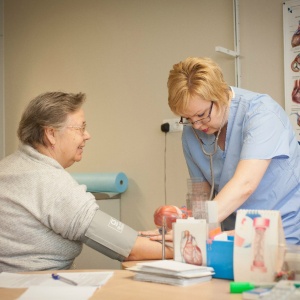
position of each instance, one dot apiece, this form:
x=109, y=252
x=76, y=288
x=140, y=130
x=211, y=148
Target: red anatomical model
x=170, y=212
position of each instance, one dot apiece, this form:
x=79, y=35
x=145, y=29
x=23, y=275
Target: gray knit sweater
x=43, y=213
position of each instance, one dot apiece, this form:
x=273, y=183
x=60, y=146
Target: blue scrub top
x=258, y=128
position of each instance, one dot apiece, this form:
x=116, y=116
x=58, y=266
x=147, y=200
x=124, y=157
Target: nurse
x=240, y=143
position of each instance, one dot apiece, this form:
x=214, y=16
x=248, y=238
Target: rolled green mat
x=103, y=182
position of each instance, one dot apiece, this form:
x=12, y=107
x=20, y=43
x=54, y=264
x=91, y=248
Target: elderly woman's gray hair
x=50, y=109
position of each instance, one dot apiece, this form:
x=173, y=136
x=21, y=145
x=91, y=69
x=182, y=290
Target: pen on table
x=237, y=287
x=63, y=279
x=240, y=287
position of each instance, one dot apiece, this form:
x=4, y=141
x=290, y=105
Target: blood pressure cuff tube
x=110, y=236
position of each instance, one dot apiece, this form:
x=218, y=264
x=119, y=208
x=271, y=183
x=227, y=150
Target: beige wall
x=119, y=52
x=1, y=82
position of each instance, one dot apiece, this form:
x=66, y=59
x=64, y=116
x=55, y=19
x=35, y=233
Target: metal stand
x=163, y=236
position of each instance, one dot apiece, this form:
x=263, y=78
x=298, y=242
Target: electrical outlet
x=174, y=125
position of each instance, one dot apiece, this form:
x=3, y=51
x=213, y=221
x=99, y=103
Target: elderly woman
x=45, y=214
x=241, y=144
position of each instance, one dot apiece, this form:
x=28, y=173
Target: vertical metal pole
x=163, y=237
x=237, y=42
x=236, y=52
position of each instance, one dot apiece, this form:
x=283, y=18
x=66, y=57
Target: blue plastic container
x=220, y=257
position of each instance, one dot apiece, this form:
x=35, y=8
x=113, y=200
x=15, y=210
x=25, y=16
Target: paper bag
x=258, y=245
x=189, y=240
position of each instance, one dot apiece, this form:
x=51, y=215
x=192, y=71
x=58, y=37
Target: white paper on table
x=58, y=292
x=171, y=267
x=14, y=280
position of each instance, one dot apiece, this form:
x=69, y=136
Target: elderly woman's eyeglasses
x=188, y=122
x=81, y=129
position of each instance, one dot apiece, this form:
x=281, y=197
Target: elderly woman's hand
x=155, y=235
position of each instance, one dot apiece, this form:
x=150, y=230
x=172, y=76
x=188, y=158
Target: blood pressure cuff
x=110, y=236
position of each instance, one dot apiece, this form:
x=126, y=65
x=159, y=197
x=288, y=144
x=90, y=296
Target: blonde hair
x=196, y=76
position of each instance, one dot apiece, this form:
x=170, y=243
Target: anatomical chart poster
x=291, y=31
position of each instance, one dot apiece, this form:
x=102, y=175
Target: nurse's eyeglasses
x=188, y=122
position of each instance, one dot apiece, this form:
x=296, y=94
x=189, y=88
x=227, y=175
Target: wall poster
x=291, y=33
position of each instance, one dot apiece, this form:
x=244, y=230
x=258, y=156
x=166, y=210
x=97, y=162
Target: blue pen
x=64, y=279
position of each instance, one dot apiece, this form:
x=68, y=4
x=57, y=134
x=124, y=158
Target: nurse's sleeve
x=266, y=134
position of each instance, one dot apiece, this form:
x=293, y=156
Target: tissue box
x=220, y=257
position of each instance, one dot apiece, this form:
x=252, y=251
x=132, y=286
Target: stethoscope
x=211, y=154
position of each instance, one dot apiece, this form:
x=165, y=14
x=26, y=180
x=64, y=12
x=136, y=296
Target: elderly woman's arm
x=146, y=249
